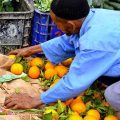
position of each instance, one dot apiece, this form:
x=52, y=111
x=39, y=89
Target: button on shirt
x=96, y=52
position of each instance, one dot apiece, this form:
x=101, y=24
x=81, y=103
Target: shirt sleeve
x=58, y=49
x=114, y=71
x=85, y=69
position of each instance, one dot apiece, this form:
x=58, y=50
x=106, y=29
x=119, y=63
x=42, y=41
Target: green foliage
x=43, y=5
x=94, y=97
x=47, y=116
x=9, y=77
x=47, y=83
x=60, y=108
x=6, y=6
x=17, y=90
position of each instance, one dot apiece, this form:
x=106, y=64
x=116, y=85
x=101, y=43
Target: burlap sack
x=26, y=116
x=5, y=61
x=7, y=88
x=32, y=88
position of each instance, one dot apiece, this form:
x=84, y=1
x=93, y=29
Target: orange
x=89, y=117
x=110, y=117
x=67, y=62
x=12, y=56
x=78, y=105
x=49, y=65
x=75, y=116
x=55, y=115
x=97, y=95
x=34, y=72
x=49, y=73
x=37, y=62
x=77, y=100
x=56, y=81
x=61, y=70
x=69, y=101
x=94, y=113
x=16, y=68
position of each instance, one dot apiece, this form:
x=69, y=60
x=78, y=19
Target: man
x=92, y=38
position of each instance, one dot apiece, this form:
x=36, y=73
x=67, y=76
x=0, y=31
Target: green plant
x=43, y=5
x=6, y=5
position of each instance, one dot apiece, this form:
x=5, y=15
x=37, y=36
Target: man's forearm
x=35, y=49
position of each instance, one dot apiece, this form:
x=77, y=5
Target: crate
x=43, y=28
x=15, y=27
x=55, y=31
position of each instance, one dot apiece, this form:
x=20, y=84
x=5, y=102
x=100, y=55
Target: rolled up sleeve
x=58, y=49
x=85, y=69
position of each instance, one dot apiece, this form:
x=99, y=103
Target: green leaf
x=34, y=110
x=9, y=8
x=17, y=90
x=41, y=74
x=18, y=59
x=54, y=77
x=69, y=110
x=43, y=5
x=97, y=102
x=28, y=110
x=47, y=116
x=87, y=98
x=19, y=111
x=2, y=113
x=110, y=111
x=52, y=107
x=25, y=78
x=89, y=92
x=63, y=117
x=1, y=6
x=61, y=108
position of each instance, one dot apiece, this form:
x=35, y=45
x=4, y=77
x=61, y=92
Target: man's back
x=101, y=30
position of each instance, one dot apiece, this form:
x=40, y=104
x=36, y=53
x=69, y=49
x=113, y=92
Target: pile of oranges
x=77, y=109
x=38, y=65
x=34, y=68
x=73, y=109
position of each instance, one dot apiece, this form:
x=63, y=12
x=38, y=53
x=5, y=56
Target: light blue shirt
x=96, y=52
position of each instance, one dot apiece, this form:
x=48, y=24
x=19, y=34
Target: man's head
x=69, y=14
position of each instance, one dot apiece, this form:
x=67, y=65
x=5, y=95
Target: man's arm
x=59, y=49
x=28, y=51
x=85, y=69
x=56, y=50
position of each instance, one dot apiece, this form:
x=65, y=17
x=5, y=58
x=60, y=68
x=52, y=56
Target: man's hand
x=26, y=52
x=22, y=101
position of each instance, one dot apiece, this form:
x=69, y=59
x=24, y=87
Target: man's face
x=62, y=24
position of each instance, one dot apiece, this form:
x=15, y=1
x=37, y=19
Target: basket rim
x=40, y=12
